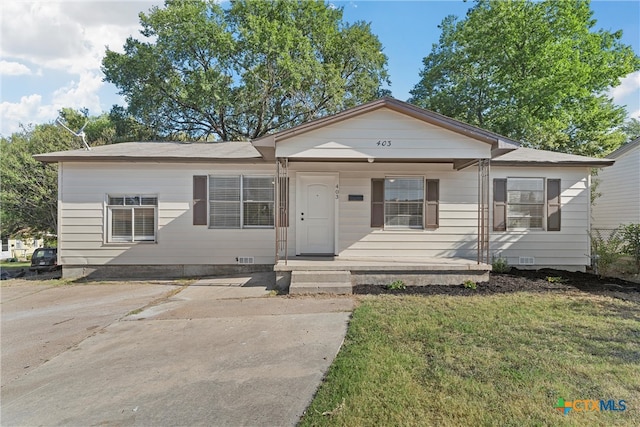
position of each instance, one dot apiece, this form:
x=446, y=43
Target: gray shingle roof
x=523, y=156
x=624, y=149
x=159, y=152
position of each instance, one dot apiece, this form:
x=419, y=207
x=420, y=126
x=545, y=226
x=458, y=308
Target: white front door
x=315, y=222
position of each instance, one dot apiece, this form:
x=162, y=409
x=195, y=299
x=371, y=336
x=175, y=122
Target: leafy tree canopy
x=535, y=71
x=29, y=192
x=631, y=128
x=245, y=71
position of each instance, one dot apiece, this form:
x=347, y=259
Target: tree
x=254, y=68
x=531, y=70
x=29, y=188
x=29, y=193
x=631, y=129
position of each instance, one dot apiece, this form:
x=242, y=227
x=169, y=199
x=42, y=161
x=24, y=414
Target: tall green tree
x=536, y=71
x=29, y=191
x=245, y=71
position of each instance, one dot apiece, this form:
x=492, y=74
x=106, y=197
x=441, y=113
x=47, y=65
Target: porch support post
x=281, y=208
x=483, y=211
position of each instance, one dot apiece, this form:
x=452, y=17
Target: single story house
x=382, y=187
x=20, y=248
x=619, y=190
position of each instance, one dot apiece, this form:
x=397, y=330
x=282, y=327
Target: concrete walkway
x=215, y=353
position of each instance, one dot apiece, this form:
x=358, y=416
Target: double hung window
x=404, y=203
x=526, y=204
x=241, y=201
x=131, y=218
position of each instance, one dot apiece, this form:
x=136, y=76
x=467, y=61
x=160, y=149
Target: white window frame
x=111, y=207
x=241, y=203
x=422, y=203
x=542, y=203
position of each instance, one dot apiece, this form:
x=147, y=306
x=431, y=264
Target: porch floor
x=339, y=275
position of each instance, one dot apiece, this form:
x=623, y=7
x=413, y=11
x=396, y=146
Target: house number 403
x=384, y=143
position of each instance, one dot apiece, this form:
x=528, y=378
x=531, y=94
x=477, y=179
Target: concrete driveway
x=212, y=353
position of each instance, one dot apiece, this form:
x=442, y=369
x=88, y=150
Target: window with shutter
x=241, y=201
x=397, y=202
x=525, y=203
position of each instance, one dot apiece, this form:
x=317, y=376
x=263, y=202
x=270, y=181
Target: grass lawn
x=498, y=360
x=14, y=265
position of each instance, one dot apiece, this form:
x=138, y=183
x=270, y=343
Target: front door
x=315, y=222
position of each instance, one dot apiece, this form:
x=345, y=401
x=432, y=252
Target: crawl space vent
x=526, y=260
x=245, y=260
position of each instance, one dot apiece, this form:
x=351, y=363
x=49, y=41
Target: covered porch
x=380, y=193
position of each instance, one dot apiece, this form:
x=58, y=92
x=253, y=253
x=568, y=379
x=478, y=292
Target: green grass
x=483, y=360
x=14, y=265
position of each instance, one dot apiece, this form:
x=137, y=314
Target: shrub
x=397, y=285
x=605, y=250
x=500, y=265
x=631, y=242
x=470, y=284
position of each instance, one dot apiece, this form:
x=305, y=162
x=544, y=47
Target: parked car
x=44, y=259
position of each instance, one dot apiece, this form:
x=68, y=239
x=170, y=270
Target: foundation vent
x=526, y=260
x=245, y=260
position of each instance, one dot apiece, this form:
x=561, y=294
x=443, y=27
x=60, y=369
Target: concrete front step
x=320, y=282
x=315, y=276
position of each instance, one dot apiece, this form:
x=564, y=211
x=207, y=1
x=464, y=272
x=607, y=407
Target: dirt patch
x=545, y=280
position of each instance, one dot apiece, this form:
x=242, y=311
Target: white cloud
x=628, y=85
x=69, y=36
x=28, y=111
x=8, y=68
x=65, y=37
x=31, y=109
x=83, y=94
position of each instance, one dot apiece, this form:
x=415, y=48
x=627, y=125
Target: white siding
x=406, y=138
x=457, y=234
x=567, y=247
x=82, y=239
x=619, y=186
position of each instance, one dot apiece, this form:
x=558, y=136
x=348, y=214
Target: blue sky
x=50, y=51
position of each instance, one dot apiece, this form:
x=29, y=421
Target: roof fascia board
x=590, y=164
x=150, y=159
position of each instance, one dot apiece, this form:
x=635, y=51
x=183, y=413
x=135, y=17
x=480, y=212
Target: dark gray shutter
x=200, y=200
x=553, y=205
x=432, y=220
x=499, y=204
x=377, y=202
x=283, y=209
